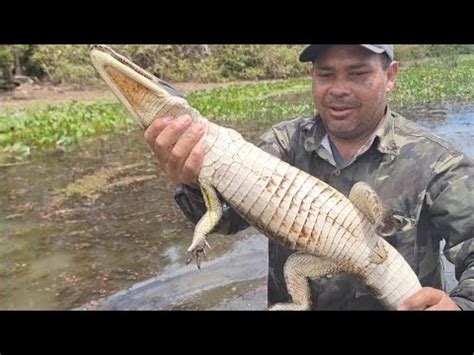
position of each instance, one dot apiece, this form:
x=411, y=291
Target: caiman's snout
x=143, y=94
x=99, y=47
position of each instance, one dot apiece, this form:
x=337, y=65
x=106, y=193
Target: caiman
x=330, y=232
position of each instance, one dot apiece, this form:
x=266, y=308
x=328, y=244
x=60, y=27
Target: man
x=356, y=137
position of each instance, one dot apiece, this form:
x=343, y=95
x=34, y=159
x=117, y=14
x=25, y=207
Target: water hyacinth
x=48, y=126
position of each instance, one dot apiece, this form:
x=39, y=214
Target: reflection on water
x=61, y=256
x=453, y=122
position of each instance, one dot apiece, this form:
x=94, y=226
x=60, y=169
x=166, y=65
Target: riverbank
x=59, y=120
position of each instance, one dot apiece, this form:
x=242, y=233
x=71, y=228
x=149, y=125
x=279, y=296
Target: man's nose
x=339, y=88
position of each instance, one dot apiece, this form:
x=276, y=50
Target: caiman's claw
x=197, y=253
x=199, y=250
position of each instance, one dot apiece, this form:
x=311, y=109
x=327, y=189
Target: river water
x=121, y=243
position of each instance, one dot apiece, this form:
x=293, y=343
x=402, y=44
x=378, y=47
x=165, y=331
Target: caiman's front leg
x=206, y=224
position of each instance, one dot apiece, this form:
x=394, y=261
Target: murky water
x=62, y=254
x=454, y=122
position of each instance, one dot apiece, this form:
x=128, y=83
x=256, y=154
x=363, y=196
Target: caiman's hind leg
x=298, y=269
x=205, y=225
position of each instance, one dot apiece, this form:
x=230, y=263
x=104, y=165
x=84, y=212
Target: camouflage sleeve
x=451, y=200
x=276, y=142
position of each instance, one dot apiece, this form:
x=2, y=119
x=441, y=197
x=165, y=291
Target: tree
x=13, y=61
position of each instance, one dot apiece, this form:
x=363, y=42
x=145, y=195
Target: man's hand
x=429, y=299
x=180, y=151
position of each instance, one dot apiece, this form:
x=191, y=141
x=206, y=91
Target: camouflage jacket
x=428, y=184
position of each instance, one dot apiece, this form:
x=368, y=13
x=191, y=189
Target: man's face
x=350, y=89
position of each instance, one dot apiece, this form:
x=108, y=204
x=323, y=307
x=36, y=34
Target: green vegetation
x=436, y=82
x=30, y=129
x=255, y=101
x=69, y=64
x=58, y=125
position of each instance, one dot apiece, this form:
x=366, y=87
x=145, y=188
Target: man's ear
x=392, y=73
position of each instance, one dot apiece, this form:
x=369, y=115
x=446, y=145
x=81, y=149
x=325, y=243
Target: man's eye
x=323, y=75
x=359, y=73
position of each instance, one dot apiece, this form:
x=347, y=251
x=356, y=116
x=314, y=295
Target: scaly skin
x=332, y=233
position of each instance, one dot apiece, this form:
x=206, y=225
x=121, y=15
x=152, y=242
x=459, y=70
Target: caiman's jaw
x=139, y=91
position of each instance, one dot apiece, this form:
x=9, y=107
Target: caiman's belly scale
x=331, y=232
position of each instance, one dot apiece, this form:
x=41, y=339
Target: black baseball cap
x=310, y=52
